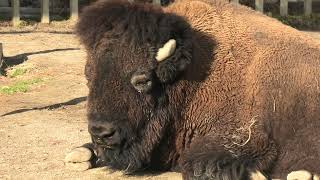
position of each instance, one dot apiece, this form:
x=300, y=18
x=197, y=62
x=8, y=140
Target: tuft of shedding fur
x=230, y=64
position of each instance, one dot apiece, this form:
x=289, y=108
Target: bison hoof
x=302, y=175
x=224, y=169
x=257, y=175
x=80, y=154
x=79, y=159
x=82, y=166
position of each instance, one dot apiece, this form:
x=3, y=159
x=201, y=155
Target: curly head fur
x=122, y=40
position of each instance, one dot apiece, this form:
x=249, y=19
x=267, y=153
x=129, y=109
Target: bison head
x=135, y=53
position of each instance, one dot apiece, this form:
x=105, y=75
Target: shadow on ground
x=24, y=32
x=49, y=107
x=21, y=58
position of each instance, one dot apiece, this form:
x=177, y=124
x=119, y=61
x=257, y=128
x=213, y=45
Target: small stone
x=79, y=166
x=299, y=175
x=77, y=155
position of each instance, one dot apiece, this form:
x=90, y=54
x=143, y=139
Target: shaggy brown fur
x=240, y=93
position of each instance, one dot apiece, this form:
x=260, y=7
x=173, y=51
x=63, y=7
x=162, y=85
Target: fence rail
x=15, y=11
x=284, y=6
x=1, y=54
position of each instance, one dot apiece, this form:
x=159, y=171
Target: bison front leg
x=206, y=159
x=82, y=158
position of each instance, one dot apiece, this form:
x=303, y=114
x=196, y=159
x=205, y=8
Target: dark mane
x=123, y=20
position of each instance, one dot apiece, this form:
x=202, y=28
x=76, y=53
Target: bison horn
x=166, y=51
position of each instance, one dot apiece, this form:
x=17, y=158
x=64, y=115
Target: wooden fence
x=283, y=6
x=74, y=8
x=45, y=14
x=1, y=54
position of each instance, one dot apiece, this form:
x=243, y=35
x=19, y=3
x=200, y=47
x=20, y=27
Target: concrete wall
x=4, y=3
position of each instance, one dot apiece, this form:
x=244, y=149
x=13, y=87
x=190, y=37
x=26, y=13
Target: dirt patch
x=42, y=124
x=314, y=34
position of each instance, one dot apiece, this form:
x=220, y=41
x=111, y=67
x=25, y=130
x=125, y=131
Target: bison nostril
x=145, y=83
x=104, y=133
x=108, y=135
x=99, y=140
x=104, y=138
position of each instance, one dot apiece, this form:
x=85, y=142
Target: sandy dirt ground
x=313, y=34
x=39, y=127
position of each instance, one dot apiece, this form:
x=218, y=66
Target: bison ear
x=175, y=50
x=173, y=58
x=142, y=81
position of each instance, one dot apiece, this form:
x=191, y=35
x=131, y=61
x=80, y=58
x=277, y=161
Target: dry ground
x=48, y=120
x=314, y=34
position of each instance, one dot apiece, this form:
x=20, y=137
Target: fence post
x=158, y=2
x=259, y=5
x=15, y=12
x=74, y=10
x=307, y=7
x=1, y=55
x=235, y=1
x=4, y=3
x=283, y=7
x=45, y=15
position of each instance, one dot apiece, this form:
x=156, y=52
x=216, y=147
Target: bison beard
x=174, y=91
x=136, y=155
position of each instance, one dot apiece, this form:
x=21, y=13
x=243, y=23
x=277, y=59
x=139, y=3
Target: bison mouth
x=119, y=157
x=108, y=146
x=120, y=149
x=110, y=142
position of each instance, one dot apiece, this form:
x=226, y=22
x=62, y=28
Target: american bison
x=207, y=88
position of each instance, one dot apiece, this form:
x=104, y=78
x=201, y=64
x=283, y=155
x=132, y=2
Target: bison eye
x=142, y=81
